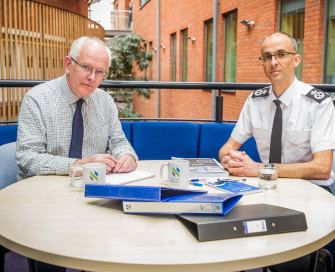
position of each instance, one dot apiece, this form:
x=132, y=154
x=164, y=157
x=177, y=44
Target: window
x=209, y=50
x=330, y=60
x=230, y=21
x=184, y=40
x=292, y=22
x=150, y=62
x=173, y=57
x=145, y=46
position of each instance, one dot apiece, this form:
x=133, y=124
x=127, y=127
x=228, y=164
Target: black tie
x=77, y=132
x=275, y=145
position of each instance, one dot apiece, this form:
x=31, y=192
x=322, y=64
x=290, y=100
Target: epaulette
x=261, y=92
x=317, y=95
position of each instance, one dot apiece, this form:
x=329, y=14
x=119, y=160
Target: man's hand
x=107, y=159
x=126, y=163
x=239, y=164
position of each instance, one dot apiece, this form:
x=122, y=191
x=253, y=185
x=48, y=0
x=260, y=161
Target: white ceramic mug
x=178, y=173
x=94, y=173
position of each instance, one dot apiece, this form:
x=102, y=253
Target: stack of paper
x=130, y=177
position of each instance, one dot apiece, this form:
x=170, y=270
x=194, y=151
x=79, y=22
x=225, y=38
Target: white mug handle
x=161, y=172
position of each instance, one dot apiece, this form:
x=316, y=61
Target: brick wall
x=177, y=15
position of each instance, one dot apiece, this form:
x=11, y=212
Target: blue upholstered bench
x=214, y=135
x=162, y=140
x=8, y=166
x=8, y=134
x=126, y=127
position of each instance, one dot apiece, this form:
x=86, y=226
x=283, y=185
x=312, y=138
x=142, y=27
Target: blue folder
x=143, y=193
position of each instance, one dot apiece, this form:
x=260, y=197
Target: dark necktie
x=77, y=132
x=275, y=145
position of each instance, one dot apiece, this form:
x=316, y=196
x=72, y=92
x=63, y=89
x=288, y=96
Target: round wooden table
x=45, y=219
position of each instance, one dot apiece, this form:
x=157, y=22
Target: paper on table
x=125, y=178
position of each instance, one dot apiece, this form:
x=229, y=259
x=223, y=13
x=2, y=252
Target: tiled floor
x=17, y=263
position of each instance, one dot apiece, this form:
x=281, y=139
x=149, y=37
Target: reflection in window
x=173, y=57
x=330, y=60
x=209, y=50
x=143, y=2
x=184, y=34
x=292, y=22
x=230, y=47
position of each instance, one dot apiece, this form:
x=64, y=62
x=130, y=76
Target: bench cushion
x=8, y=134
x=214, y=135
x=163, y=140
x=126, y=127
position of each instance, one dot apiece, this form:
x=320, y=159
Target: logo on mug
x=176, y=171
x=94, y=176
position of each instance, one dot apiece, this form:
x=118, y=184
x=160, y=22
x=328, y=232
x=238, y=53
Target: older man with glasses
x=294, y=127
x=69, y=121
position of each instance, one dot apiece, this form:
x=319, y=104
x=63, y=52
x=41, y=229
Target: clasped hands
x=125, y=163
x=238, y=163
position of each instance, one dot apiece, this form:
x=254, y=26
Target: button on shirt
x=45, y=128
x=308, y=126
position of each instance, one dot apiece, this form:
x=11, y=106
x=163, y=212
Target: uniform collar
x=287, y=96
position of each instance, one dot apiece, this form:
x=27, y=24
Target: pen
x=110, y=144
x=197, y=184
x=197, y=179
x=110, y=150
x=224, y=179
x=221, y=182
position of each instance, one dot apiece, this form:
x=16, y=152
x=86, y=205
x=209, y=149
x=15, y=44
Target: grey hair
x=294, y=42
x=78, y=44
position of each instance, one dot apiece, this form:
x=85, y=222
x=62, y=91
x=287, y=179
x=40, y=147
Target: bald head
x=278, y=34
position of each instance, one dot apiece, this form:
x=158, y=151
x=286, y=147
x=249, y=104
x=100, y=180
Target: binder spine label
x=172, y=207
x=254, y=226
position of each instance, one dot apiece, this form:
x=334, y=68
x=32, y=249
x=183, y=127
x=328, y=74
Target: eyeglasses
x=278, y=56
x=99, y=73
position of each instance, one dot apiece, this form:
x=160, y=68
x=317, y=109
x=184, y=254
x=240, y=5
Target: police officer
x=307, y=122
x=294, y=127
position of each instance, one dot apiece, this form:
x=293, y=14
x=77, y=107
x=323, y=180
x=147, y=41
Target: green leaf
x=128, y=56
